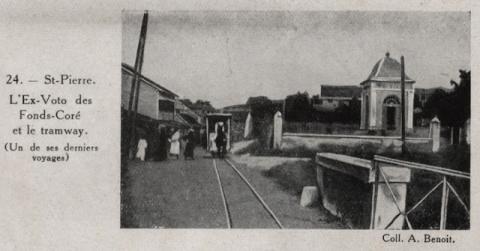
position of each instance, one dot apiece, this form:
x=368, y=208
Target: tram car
x=218, y=130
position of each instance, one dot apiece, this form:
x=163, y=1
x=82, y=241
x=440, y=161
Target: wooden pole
x=207, y=133
x=375, y=168
x=134, y=91
x=402, y=81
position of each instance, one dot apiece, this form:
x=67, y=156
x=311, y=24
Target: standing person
x=190, y=145
x=220, y=141
x=141, y=148
x=175, y=143
x=213, y=145
x=203, y=138
x=163, y=144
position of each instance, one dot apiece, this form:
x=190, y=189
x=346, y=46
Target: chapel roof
x=387, y=69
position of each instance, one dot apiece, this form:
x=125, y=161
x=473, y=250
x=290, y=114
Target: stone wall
x=311, y=141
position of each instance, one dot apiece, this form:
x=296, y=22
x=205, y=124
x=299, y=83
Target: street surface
x=185, y=194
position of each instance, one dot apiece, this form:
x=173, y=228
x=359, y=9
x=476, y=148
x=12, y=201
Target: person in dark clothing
x=190, y=144
x=163, y=144
x=220, y=141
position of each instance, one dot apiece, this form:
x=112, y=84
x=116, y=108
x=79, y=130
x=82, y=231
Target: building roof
x=189, y=119
x=244, y=107
x=335, y=98
x=340, y=91
x=130, y=70
x=387, y=69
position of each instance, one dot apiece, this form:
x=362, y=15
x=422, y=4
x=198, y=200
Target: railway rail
x=227, y=206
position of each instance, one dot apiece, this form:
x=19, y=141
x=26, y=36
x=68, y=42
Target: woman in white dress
x=175, y=144
x=213, y=145
x=141, y=147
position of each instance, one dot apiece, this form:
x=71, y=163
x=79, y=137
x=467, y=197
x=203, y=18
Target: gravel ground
x=286, y=205
x=185, y=194
x=174, y=194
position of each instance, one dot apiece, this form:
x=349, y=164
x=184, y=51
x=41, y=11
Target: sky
x=227, y=56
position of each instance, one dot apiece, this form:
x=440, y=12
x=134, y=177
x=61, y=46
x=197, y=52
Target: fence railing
x=445, y=184
x=319, y=127
x=347, y=128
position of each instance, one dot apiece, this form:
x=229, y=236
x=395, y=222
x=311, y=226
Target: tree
x=262, y=110
x=203, y=105
x=460, y=99
x=355, y=109
x=435, y=104
x=298, y=107
x=347, y=113
x=453, y=108
x=187, y=102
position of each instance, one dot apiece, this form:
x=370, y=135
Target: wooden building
x=154, y=101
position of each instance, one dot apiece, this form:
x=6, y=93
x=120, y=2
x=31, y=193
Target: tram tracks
x=245, y=205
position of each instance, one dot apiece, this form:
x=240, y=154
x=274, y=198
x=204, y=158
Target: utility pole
x=135, y=86
x=402, y=81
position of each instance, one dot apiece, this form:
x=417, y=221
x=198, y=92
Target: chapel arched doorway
x=391, y=112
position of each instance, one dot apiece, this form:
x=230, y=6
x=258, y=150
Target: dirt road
x=185, y=194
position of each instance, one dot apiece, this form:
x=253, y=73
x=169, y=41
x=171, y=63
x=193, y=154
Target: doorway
x=391, y=112
x=391, y=106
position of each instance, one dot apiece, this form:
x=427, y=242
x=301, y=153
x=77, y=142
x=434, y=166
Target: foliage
x=436, y=104
x=453, y=108
x=258, y=101
x=262, y=111
x=461, y=98
x=456, y=157
x=298, y=107
x=203, y=105
x=348, y=113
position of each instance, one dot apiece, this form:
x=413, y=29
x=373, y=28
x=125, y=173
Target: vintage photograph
x=295, y=119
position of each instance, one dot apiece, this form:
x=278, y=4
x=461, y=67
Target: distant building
x=381, y=97
x=333, y=96
x=236, y=108
x=187, y=115
x=349, y=91
x=329, y=104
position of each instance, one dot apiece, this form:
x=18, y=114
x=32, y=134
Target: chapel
x=381, y=97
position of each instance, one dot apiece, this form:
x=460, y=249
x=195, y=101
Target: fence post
x=435, y=131
x=451, y=135
x=467, y=131
x=277, y=130
x=443, y=210
x=248, y=126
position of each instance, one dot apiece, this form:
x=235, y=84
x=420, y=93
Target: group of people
x=189, y=139
x=169, y=144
